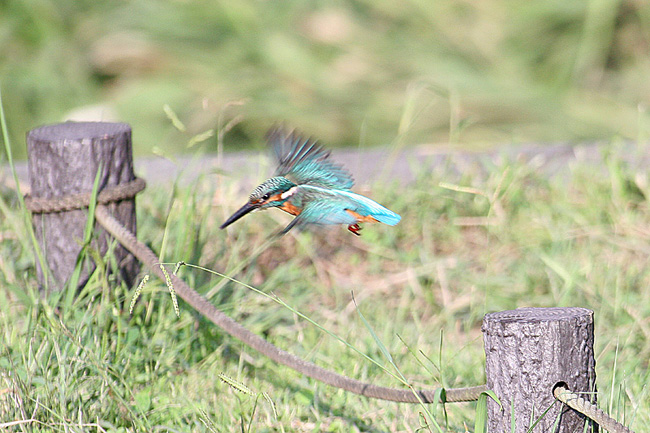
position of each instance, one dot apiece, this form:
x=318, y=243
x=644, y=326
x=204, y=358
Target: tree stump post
x=63, y=160
x=530, y=350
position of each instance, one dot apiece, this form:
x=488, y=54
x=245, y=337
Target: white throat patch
x=288, y=193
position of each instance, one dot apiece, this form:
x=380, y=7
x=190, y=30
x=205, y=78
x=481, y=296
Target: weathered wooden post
x=530, y=350
x=63, y=161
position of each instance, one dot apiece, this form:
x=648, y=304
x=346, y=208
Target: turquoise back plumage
x=331, y=208
x=368, y=207
x=305, y=162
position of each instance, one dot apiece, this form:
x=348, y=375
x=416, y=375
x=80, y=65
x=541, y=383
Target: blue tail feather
x=390, y=217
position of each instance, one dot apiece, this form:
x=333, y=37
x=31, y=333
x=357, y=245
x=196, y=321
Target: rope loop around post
x=588, y=409
x=123, y=191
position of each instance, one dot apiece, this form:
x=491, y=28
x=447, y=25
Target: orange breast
x=289, y=208
x=361, y=218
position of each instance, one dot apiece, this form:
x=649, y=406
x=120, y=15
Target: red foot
x=354, y=228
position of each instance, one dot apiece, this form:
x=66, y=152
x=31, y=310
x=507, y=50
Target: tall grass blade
x=73, y=282
x=480, y=422
x=389, y=357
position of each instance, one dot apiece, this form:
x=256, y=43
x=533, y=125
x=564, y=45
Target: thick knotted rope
x=123, y=191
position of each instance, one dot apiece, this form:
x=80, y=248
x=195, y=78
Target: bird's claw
x=355, y=228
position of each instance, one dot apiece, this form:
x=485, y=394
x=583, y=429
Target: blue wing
x=306, y=162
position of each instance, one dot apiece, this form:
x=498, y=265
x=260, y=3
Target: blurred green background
x=363, y=73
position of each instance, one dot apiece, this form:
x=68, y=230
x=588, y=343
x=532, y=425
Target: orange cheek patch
x=360, y=218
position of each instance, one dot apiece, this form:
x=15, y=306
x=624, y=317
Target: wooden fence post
x=63, y=160
x=530, y=350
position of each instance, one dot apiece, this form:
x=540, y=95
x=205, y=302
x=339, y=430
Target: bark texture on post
x=63, y=160
x=528, y=351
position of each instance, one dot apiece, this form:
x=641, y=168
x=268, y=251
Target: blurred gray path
x=378, y=164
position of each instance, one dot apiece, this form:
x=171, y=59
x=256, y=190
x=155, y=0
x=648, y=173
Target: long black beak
x=245, y=209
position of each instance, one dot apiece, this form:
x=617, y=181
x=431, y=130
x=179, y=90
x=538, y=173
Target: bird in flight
x=313, y=188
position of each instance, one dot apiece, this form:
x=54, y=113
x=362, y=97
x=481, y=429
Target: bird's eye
x=266, y=196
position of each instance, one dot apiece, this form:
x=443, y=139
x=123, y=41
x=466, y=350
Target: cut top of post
x=535, y=315
x=77, y=131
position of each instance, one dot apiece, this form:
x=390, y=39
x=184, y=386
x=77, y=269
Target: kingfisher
x=313, y=188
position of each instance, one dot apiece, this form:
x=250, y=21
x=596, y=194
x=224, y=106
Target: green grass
x=574, y=240
x=471, y=74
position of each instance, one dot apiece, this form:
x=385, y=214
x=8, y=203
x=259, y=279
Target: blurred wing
x=305, y=162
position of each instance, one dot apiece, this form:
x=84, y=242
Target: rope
x=590, y=410
x=123, y=191
x=203, y=306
